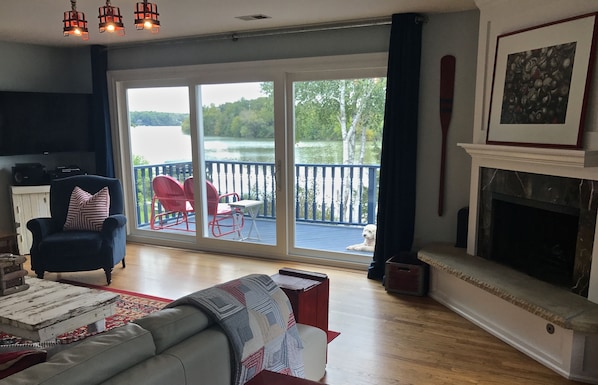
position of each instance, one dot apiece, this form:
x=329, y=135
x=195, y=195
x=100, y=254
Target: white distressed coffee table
x=48, y=309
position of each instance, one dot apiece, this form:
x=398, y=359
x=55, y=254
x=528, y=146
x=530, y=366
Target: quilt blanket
x=258, y=319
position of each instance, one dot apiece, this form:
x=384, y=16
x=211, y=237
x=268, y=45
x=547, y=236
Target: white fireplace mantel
x=581, y=164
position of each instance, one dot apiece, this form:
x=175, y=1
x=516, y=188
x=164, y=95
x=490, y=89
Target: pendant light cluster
x=146, y=17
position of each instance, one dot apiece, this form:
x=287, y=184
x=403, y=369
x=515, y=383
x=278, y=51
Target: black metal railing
x=325, y=193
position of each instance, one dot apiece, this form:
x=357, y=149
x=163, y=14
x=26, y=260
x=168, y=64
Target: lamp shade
x=74, y=23
x=110, y=19
x=146, y=16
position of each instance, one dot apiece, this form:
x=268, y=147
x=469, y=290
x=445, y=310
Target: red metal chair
x=169, y=193
x=223, y=219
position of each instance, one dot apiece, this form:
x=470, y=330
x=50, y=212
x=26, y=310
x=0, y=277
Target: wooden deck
x=315, y=236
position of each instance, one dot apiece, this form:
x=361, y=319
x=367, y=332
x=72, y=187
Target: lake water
x=162, y=144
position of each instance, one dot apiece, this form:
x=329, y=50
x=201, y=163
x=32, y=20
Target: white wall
x=503, y=16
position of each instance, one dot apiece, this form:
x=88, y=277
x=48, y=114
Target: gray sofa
x=178, y=345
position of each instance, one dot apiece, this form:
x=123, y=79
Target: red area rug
x=130, y=306
x=332, y=335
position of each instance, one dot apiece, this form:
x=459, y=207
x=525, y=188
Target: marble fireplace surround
x=546, y=190
x=552, y=325
x=576, y=164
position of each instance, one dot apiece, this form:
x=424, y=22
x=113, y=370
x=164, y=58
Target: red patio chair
x=169, y=193
x=223, y=219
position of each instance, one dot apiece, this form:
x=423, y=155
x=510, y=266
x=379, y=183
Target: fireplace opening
x=536, y=238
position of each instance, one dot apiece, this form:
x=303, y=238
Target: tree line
x=345, y=110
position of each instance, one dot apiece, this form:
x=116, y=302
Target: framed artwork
x=540, y=85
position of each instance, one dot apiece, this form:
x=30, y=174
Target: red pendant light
x=146, y=16
x=74, y=23
x=111, y=19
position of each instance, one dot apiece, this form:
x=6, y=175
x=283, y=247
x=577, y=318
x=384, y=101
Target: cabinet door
x=28, y=203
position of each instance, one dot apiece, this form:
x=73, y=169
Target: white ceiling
x=40, y=21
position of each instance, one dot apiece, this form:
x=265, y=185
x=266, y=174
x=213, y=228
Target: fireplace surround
x=538, y=224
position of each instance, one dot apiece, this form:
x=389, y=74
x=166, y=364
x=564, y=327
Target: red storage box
x=406, y=276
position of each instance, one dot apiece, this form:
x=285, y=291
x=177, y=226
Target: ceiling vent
x=253, y=17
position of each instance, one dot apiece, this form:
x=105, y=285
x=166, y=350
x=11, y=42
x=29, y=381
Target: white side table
x=252, y=208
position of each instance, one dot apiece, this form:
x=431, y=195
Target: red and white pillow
x=87, y=211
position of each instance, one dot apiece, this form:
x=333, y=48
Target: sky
x=176, y=99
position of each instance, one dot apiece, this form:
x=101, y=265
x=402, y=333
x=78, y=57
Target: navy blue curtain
x=100, y=112
x=396, y=196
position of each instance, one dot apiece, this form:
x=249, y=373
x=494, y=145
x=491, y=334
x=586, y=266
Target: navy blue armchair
x=56, y=250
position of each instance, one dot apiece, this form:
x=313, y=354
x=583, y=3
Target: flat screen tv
x=40, y=123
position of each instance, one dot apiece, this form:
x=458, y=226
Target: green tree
x=143, y=184
x=351, y=110
x=153, y=118
x=341, y=109
x=250, y=119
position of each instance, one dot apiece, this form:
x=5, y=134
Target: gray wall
x=34, y=68
x=448, y=34
x=37, y=68
x=287, y=46
x=454, y=34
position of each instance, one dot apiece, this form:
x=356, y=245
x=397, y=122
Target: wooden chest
x=12, y=274
x=406, y=276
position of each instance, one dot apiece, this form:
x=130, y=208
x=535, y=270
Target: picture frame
x=540, y=85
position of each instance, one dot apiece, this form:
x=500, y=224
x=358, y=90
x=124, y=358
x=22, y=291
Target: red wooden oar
x=447, y=86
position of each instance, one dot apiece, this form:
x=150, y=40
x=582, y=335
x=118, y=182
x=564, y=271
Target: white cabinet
x=28, y=202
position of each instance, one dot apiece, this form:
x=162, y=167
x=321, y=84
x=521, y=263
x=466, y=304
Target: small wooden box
x=308, y=293
x=406, y=276
x=12, y=274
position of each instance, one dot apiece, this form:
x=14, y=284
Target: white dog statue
x=369, y=239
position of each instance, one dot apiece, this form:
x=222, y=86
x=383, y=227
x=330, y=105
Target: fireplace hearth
x=538, y=224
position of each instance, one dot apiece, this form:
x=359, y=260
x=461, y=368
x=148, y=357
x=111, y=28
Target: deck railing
x=325, y=193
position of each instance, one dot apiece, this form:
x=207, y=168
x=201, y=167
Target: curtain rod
x=235, y=36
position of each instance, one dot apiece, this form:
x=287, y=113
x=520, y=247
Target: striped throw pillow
x=87, y=211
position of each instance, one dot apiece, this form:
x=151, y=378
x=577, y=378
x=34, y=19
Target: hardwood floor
x=386, y=339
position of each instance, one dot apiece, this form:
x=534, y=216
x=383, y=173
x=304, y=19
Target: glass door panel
x=161, y=158
x=237, y=148
x=338, y=139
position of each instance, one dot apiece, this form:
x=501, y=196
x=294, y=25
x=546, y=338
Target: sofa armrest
x=113, y=222
x=315, y=346
x=42, y=227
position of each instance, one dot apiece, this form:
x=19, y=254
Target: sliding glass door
x=337, y=143
x=237, y=153
x=161, y=158
x=273, y=158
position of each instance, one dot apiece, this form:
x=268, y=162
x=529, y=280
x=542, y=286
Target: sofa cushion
x=87, y=211
x=71, y=243
x=91, y=361
x=157, y=370
x=206, y=357
x=171, y=326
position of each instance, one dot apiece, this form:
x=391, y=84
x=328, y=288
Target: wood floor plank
x=386, y=339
